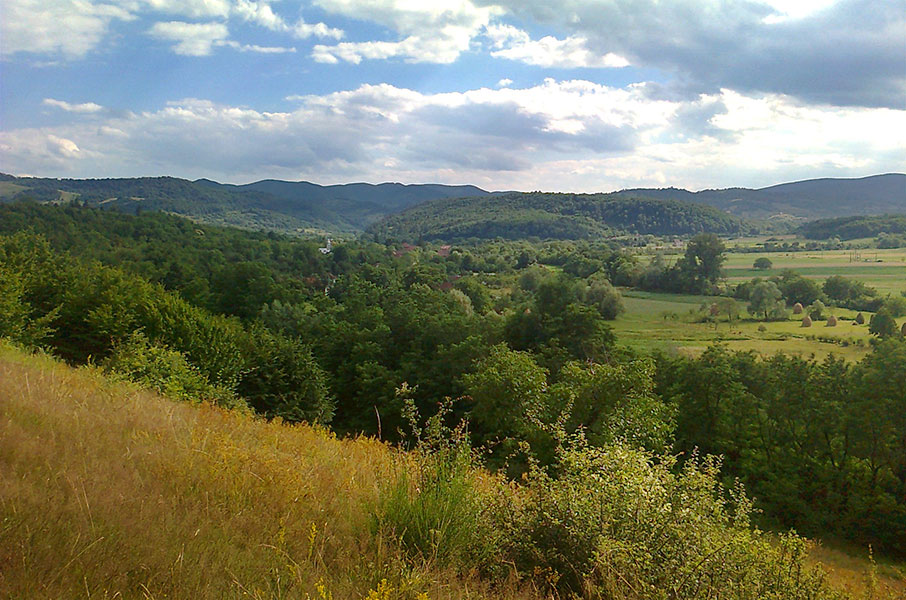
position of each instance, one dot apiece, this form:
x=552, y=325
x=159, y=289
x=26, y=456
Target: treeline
x=552, y=216
x=850, y=228
x=819, y=445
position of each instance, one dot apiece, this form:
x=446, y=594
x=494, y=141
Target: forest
x=554, y=216
x=511, y=337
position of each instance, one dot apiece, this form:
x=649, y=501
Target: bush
x=617, y=523
x=166, y=371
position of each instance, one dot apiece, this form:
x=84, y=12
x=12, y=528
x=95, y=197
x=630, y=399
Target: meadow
x=884, y=270
x=671, y=322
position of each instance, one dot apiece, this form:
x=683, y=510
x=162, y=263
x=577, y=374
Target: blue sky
x=574, y=95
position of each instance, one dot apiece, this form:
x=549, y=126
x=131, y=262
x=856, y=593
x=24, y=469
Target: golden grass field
x=107, y=491
x=110, y=492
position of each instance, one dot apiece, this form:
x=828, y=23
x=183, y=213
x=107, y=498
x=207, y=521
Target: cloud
x=191, y=39
x=74, y=28
x=84, y=108
x=558, y=135
x=434, y=32
x=256, y=48
x=847, y=53
x=71, y=28
x=514, y=44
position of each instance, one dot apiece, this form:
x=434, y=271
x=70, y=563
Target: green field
x=667, y=322
x=884, y=270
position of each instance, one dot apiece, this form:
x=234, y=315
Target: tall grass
x=107, y=491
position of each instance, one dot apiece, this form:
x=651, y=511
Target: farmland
x=671, y=322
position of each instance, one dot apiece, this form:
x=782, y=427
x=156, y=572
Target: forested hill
x=850, y=228
x=553, y=216
x=811, y=199
x=293, y=207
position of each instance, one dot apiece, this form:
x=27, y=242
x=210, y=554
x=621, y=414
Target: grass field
x=884, y=270
x=655, y=321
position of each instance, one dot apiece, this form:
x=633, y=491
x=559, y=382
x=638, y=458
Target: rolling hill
x=553, y=216
x=810, y=199
x=293, y=207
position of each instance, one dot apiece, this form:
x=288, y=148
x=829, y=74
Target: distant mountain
x=811, y=199
x=296, y=207
x=303, y=207
x=553, y=216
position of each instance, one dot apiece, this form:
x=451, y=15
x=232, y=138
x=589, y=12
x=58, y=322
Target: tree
x=762, y=264
x=883, y=324
x=766, y=299
x=700, y=268
x=506, y=388
x=797, y=288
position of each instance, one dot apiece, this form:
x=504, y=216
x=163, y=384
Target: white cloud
x=437, y=32
x=191, y=39
x=84, y=108
x=255, y=48
x=572, y=52
x=68, y=27
x=560, y=135
x=196, y=9
x=303, y=30
x=505, y=82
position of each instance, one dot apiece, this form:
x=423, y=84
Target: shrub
x=166, y=371
x=617, y=523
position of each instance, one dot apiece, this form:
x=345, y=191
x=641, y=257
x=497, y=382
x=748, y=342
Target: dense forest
x=511, y=336
x=809, y=199
x=553, y=216
x=850, y=228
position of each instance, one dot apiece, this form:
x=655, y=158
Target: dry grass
x=850, y=571
x=107, y=491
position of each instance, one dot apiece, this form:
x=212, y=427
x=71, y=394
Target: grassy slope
x=107, y=491
x=110, y=492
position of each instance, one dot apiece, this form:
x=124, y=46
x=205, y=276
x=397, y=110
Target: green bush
x=617, y=522
x=167, y=371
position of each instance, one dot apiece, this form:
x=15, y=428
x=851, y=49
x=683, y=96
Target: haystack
x=806, y=321
x=797, y=309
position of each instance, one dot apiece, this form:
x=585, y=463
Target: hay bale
x=806, y=321
x=797, y=308
x=860, y=320
x=831, y=321
x=714, y=310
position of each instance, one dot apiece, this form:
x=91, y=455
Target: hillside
x=850, y=228
x=553, y=216
x=810, y=199
x=110, y=491
x=292, y=207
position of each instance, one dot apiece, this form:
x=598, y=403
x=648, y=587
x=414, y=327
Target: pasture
x=672, y=323
x=884, y=270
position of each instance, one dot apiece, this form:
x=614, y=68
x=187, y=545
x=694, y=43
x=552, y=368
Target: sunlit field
x=667, y=322
x=884, y=270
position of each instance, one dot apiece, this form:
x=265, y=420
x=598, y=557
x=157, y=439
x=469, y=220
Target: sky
x=564, y=95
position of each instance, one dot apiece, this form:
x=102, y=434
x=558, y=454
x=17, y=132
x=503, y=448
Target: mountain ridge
x=303, y=207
